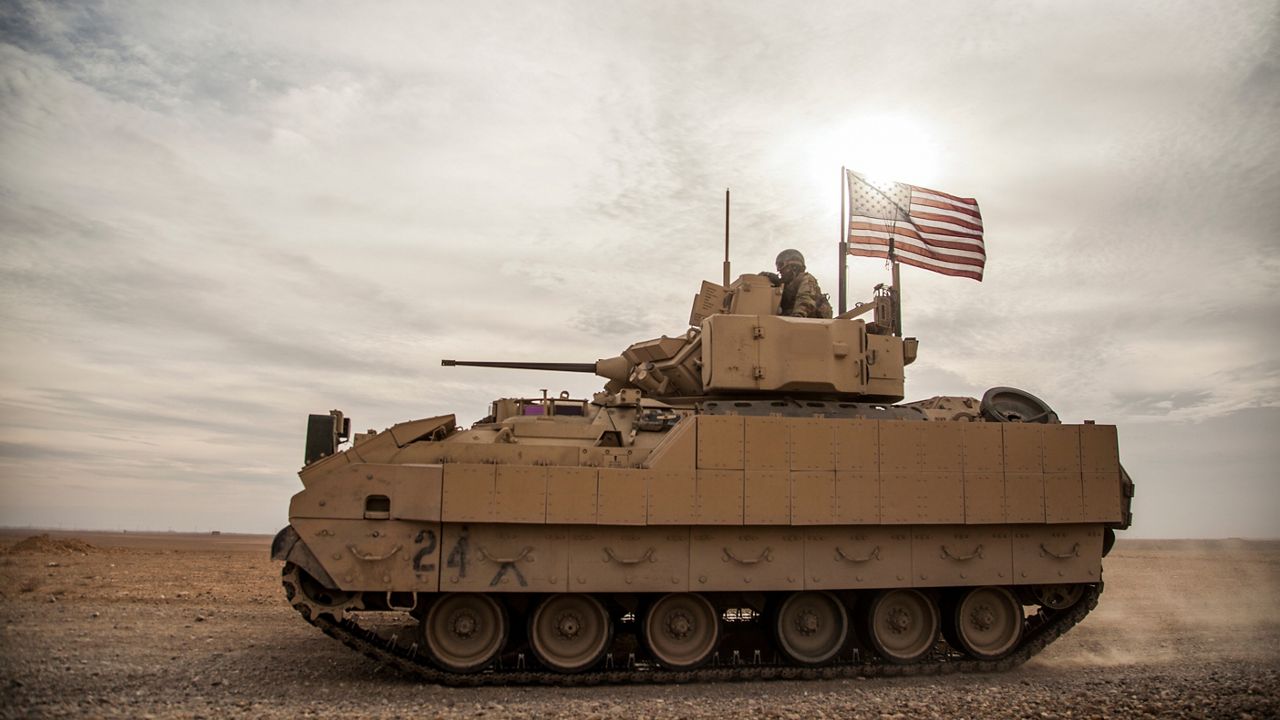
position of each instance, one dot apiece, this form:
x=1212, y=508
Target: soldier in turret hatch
x=801, y=295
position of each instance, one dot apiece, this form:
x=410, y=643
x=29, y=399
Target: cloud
x=216, y=218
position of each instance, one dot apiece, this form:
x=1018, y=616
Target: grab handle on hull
x=873, y=555
x=764, y=555
x=977, y=553
x=611, y=556
x=506, y=561
x=370, y=557
x=1073, y=552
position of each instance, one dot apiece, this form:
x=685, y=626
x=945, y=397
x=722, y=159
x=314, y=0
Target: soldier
x=801, y=296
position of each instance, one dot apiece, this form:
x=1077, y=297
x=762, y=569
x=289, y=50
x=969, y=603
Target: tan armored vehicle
x=746, y=499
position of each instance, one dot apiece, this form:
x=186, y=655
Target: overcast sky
x=216, y=218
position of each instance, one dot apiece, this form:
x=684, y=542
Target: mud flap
x=289, y=547
x=283, y=543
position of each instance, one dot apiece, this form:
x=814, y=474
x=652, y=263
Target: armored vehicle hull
x=731, y=505
x=739, y=540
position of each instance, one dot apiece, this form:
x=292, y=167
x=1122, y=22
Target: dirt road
x=172, y=625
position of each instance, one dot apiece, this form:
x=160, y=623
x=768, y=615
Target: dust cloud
x=1179, y=600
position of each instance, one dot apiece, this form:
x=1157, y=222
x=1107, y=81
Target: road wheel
x=463, y=632
x=681, y=630
x=569, y=633
x=988, y=622
x=902, y=625
x=1057, y=597
x=811, y=627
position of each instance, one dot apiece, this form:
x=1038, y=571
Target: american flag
x=929, y=229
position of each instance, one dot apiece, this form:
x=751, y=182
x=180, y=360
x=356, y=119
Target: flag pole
x=844, y=245
x=896, y=291
x=897, y=298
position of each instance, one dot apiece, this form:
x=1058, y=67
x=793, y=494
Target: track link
x=404, y=656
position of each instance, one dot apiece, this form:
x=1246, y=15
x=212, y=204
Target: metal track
x=403, y=654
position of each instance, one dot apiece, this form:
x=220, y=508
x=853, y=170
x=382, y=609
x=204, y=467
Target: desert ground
x=174, y=625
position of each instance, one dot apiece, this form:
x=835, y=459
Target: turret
x=738, y=345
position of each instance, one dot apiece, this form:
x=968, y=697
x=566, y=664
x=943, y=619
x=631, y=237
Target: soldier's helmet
x=787, y=257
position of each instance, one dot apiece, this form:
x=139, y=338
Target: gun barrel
x=558, y=367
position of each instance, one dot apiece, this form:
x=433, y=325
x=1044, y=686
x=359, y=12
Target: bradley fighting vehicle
x=747, y=499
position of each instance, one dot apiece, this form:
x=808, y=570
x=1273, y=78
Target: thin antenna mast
x=844, y=246
x=896, y=291
x=726, y=238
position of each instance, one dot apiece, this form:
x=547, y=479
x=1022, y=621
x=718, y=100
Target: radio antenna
x=726, y=238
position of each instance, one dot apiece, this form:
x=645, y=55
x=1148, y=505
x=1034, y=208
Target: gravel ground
x=196, y=626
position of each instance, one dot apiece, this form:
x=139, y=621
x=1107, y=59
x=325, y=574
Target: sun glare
x=885, y=148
